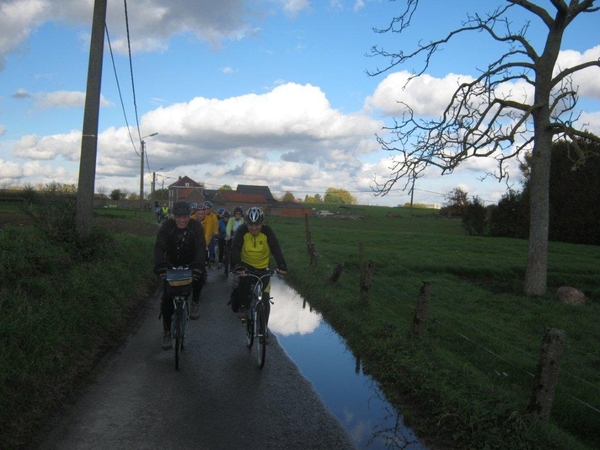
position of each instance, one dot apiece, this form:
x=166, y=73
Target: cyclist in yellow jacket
x=211, y=229
x=252, y=247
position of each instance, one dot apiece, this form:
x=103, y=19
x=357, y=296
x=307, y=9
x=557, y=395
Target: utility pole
x=142, y=171
x=154, y=186
x=89, y=138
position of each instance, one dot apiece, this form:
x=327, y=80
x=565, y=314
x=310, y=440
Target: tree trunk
x=537, y=260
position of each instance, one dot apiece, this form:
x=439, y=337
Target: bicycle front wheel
x=226, y=260
x=178, y=336
x=261, y=335
x=249, y=328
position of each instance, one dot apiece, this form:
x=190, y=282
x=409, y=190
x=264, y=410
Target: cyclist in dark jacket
x=252, y=247
x=180, y=242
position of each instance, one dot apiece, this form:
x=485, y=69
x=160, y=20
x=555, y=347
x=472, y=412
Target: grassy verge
x=62, y=307
x=467, y=382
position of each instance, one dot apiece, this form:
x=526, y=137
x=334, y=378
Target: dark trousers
x=221, y=243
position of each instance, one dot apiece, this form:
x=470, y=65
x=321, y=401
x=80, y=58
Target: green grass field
x=470, y=376
x=464, y=384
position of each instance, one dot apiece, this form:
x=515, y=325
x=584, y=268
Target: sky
x=261, y=92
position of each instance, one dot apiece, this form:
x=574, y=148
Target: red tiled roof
x=236, y=197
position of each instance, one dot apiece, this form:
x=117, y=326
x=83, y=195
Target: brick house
x=187, y=190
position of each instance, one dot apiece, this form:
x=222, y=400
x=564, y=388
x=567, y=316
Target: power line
x=119, y=89
x=131, y=72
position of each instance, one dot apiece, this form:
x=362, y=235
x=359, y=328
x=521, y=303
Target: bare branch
x=481, y=119
x=571, y=70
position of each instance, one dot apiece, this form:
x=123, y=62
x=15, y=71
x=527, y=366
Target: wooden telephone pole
x=89, y=138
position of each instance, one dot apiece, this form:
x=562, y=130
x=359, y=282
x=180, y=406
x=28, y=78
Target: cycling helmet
x=181, y=209
x=238, y=209
x=254, y=216
x=207, y=204
x=221, y=211
x=193, y=206
x=226, y=213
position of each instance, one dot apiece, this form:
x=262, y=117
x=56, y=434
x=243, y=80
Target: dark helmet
x=226, y=213
x=221, y=211
x=254, y=216
x=181, y=209
x=238, y=209
x=207, y=204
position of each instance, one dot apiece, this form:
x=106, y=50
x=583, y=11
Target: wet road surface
x=219, y=399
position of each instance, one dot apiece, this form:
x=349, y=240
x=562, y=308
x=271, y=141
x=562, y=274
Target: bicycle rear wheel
x=261, y=335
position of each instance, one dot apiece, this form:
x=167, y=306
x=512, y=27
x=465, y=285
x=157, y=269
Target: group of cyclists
x=194, y=236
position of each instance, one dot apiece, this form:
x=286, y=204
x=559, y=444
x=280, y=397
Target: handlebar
x=256, y=273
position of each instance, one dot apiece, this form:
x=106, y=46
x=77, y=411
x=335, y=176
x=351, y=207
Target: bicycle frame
x=180, y=281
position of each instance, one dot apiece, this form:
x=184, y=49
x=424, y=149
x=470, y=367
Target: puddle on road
x=323, y=357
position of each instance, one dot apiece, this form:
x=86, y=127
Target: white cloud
x=586, y=80
x=33, y=147
x=64, y=99
x=57, y=99
x=590, y=121
x=426, y=95
x=251, y=124
x=10, y=170
x=293, y=7
x=17, y=20
x=152, y=23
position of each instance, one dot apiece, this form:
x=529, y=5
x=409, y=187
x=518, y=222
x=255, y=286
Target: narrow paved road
x=218, y=400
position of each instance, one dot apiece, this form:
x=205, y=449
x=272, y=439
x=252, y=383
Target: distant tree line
x=574, y=201
x=332, y=195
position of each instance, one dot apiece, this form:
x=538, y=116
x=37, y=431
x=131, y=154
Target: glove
x=240, y=270
x=161, y=269
x=198, y=274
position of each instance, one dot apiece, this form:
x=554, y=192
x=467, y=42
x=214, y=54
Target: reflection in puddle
x=323, y=358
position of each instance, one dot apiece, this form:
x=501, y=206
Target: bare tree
x=482, y=120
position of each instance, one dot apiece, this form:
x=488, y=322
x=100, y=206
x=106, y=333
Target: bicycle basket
x=179, y=277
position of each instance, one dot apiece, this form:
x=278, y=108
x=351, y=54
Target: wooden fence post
x=337, y=272
x=546, y=377
x=421, y=310
x=367, y=280
x=366, y=274
x=310, y=246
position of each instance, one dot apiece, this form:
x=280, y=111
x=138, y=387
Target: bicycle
x=226, y=257
x=255, y=319
x=180, y=286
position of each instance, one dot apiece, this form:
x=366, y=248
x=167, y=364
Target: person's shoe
x=167, y=341
x=242, y=313
x=195, y=310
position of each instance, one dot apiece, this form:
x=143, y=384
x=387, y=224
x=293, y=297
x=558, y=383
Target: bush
x=510, y=218
x=474, y=218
